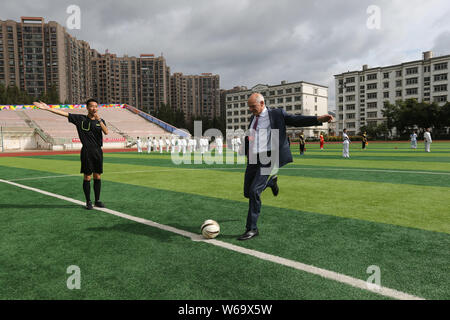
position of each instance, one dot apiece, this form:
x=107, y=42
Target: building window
x=440, y=98
x=440, y=77
x=386, y=75
x=413, y=70
x=411, y=91
x=371, y=105
x=371, y=114
x=350, y=80
x=441, y=87
x=386, y=94
x=372, y=95
x=411, y=81
x=440, y=66
x=350, y=89
x=349, y=98
x=348, y=107
x=372, y=76
x=371, y=86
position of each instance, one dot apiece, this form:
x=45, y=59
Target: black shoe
x=99, y=204
x=89, y=205
x=249, y=234
x=274, y=186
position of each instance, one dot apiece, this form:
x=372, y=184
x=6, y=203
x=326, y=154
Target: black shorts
x=91, y=160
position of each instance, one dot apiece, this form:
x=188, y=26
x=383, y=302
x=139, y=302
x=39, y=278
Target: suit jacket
x=279, y=119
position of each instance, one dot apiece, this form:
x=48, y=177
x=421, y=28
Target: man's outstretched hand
x=325, y=118
x=41, y=105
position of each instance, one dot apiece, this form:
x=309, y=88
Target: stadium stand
x=125, y=124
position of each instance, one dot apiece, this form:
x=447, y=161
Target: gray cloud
x=248, y=42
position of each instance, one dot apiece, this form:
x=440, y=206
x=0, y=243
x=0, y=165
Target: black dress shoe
x=249, y=234
x=274, y=186
x=89, y=205
x=99, y=204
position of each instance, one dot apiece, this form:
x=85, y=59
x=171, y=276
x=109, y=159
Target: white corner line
x=354, y=282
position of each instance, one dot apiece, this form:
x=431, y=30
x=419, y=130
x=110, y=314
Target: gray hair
x=259, y=97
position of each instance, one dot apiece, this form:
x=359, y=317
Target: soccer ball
x=210, y=229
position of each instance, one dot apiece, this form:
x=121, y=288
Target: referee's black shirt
x=89, y=131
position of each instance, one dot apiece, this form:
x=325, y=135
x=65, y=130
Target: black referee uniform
x=91, y=136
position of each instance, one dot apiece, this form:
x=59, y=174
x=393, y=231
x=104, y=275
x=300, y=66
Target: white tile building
x=360, y=95
x=296, y=98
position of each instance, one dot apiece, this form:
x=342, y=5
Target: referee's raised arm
x=43, y=106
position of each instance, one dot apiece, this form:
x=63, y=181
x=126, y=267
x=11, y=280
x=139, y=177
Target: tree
x=406, y=116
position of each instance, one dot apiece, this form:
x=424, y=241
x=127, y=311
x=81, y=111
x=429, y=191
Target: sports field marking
x=175, y=168
x=357, y=283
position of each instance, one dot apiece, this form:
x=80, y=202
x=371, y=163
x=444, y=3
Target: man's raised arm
x=305, y=121
x=43, y=106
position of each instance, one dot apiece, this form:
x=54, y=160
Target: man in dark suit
x=267, y=149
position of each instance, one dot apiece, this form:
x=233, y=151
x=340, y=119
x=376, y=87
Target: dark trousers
x=302, y=148
x=254, y=184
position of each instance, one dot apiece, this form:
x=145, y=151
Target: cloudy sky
x=248, y=42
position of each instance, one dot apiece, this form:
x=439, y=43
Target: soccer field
x=387, y=206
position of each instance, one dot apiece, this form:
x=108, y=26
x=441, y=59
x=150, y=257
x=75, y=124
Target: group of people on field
x=364, y=142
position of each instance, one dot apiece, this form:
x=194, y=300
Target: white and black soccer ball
x=210, y=229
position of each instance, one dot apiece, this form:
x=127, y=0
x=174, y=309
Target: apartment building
x=196, y=95
x=35, y=55
x=360, y=95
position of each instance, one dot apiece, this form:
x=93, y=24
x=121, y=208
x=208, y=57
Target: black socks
x=97, y=188
x=87, y=189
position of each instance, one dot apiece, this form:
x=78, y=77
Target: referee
x=90, y=129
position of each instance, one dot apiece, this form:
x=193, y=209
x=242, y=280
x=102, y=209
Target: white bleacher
x=127, y=122
x=131, y=124
x=11, y=119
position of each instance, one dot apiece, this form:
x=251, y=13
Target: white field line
x=357, y=283
x=172, y=169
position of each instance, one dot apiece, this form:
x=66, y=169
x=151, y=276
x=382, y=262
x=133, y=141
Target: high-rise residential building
x=35, y=55
x=154, y=82
x=196, y=95
x=301, y=97
x=141, y=82
x=360, y=95
x=115, y=79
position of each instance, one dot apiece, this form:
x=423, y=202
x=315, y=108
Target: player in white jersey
x=427, y=140
x=219, y=144
x=139, y=145
x=346, y=145
x=161, y=145
x=237, y=144
x=149, y=145
x=413, y=137
x=167, y=140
